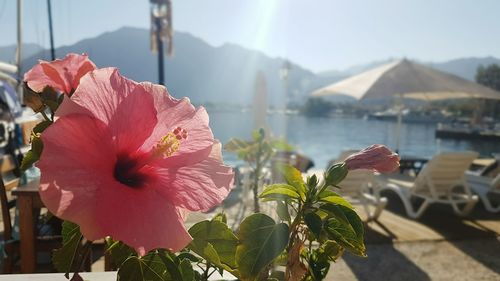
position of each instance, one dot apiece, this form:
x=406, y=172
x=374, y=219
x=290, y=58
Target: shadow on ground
x=384, y=262
x=456, y=229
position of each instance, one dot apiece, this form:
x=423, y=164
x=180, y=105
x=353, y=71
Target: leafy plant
x=257, y=153
x=317, y=226
x=324, y=224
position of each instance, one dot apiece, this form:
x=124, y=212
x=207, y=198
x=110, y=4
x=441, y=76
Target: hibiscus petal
x=68, y=106
x=162, y=97
x=78, y=158
x=43, y=75
x=173, y=113
x=141, y=219
x=134, y=120
x=200, y=186
x=61, y=74
x=78, y=184
x=120, y=103
x=198, y=144
x=101, y=91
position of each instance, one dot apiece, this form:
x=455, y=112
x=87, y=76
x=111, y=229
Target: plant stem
x=52, y=113
x=258, y=170
x=294, y=231
x=45, y=115
x=205, y=272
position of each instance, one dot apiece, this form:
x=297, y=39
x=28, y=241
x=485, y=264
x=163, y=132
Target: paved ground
x=439, y=246
x=420, y=261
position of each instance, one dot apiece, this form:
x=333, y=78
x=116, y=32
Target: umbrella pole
x=400, y=121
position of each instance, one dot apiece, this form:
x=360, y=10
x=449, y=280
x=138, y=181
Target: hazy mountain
x=202, y=72
x=464, y=67
x=208, y=74
x=8, y=53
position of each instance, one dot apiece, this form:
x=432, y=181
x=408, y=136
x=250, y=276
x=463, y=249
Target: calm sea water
x=322, y=139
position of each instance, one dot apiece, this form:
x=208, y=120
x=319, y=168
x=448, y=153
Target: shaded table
x=28, y=201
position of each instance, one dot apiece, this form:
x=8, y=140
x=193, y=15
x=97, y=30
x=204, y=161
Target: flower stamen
x=170, y=143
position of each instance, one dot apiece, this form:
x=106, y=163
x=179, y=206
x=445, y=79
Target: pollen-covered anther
x=171, y=142
x=167, y=145
x=180, y=133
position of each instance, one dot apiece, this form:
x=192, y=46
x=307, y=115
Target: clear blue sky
x=318, y=34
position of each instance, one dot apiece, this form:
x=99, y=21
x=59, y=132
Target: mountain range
x=208, y=74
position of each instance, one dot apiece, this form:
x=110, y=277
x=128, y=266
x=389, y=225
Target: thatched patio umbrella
x=404, y=78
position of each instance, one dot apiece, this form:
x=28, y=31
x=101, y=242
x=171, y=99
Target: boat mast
x=19, y=49
x=51, y=34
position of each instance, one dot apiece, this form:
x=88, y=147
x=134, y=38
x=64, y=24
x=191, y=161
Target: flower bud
x=312, y=181
x=335, y=174
x=376, y=157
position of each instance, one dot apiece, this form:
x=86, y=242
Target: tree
x=489, y=76
x=317, y=107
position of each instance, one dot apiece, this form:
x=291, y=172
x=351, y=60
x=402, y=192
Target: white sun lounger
x=483, y=187
x=361, y=186
x=439, y=182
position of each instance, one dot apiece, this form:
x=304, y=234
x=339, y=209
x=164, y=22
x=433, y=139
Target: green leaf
x=280, y=192
x=312, y=181
x=186, y=270
x=119, y=251
x=282, y=211
x=282, y=145
x=29, y=159
x=40, y=127
x=314, y=223
x=220, y=217
x=64, y=258
x=149, y=267
x=244, y=149
x=329, y=196
x=188, y=256
x=235, y=145
x=214, y=241
x=156, y=265
x=33, y=154
x=258, y=135
x=172, y=264
x=329, y=251
x=261, y=241
x=208, y=252
x=345, y=227
x=318, y=268
x=294, y=178
x=335, y=174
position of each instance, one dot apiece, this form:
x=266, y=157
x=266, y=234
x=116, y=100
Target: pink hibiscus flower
x=376, y=157
x=126, y=160
x=62, y=75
